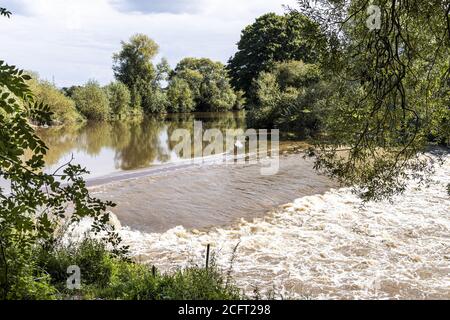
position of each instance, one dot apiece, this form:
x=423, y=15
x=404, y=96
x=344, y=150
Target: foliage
x=90, y=255
x=92, y=101
x=69, y=91
x=133, y=67
x=163, y=72
x=36, y=201
x=155, y=100
x=240, y=100
x=180, y=96
x=119, y=98
x=208, y=82
x=274, y=38
x=104, y=276
x=390, y=90
x=62, y=108
x=289, y=98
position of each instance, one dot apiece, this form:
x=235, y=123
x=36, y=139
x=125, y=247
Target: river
x=324, y=244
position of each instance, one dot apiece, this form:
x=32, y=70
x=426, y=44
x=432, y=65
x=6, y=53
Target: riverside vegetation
x=195, y=85
x=373, y=100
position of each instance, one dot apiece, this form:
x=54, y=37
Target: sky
x=72, y=41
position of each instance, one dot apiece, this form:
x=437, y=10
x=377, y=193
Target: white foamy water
x=327, y=246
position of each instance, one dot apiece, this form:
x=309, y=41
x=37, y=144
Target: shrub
x=155, y=101
x=92, y=101
x=90, y=255
x=137, y=282
x=180, y=96
x=119, y=98
x=288, y=98
x=62, y=107
x=36, y=201
x=209, y=83
x=104, y=276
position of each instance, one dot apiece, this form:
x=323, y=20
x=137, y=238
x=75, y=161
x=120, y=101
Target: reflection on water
x=106, y=148
x=159, y=198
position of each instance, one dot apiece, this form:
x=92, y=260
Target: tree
x=289, y=98
x=390, y=90
x=62, y=108
x=163, y=72
x=274, y=38
x=240, y=100
x=155, y=100
x=68, y=91
x=133, y=66
x=92, y=101
x=119, y=98
x=208, y=82
x=180, y=96
x=36, y=202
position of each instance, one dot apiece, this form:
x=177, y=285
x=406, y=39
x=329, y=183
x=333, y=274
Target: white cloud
x=73, y=40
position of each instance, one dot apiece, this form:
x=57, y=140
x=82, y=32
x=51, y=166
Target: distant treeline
x=141, y=88
x=289, y=73
x=273, y=67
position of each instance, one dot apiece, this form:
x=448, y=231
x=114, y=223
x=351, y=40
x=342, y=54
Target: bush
x=92, y=101
x=90, y=255
x=240, y=101
x=62, y=107
x=104, y=276
x=155, y=101
x=288, y=98
x=180, y=96
x=209, y=83
x=36, y=201
x=137, y=282
x=119, y=98
x=25, y=280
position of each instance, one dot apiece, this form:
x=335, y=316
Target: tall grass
x=104, y=276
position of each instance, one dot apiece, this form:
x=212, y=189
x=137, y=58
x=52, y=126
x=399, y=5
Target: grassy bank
x=105, y=276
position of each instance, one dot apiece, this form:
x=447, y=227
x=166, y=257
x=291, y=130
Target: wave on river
x=327, y=246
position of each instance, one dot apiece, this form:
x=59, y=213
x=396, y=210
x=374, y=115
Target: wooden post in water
x=207, y=255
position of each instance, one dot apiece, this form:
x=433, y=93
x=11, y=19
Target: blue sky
x=73, y=40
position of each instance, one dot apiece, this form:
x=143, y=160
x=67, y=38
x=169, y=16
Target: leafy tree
x=119, y=98
x=62, y=108
x=36, y=202
x=390, y=90
x=133, y=66
x=274, y=38
x=208, y=82
x=68, y=91
x=163, y=72
x=180, y=96
x=155, y=100
x=240, y=100
x=92, y=101
x=289, y=98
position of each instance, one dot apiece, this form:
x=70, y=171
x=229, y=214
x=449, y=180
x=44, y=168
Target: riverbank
x=326, y=246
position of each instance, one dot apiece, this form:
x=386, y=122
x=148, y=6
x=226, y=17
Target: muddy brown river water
x=293, y=232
